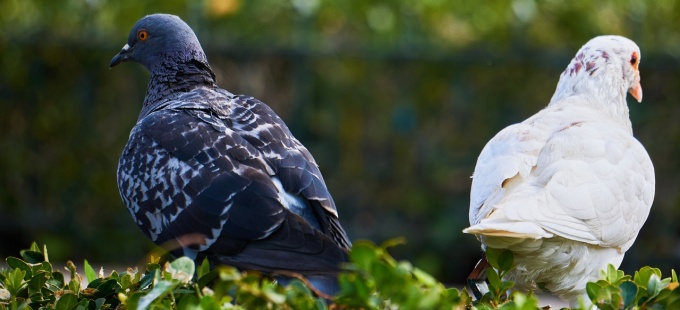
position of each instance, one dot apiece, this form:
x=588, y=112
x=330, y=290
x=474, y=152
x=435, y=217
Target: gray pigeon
x=221, y=174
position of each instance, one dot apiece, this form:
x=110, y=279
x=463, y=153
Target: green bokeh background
x=395, y=99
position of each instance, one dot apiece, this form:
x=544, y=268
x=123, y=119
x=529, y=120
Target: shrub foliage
x=372, y=280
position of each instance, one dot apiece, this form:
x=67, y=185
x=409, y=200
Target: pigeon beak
x=636, y=92
x=636, y=89
x=124, y=55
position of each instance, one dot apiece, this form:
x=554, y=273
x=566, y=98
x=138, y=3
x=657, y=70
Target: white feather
x=570, y=186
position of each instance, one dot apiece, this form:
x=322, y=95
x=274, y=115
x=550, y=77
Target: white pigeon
x=568, y=189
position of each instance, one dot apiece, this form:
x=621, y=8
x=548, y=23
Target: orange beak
x=636, y=92
x=636, y=89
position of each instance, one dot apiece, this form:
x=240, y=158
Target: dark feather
x=203, y=162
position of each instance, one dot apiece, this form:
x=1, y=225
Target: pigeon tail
x=512, y=230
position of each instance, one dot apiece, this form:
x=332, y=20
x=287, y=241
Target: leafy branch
x=372, y=279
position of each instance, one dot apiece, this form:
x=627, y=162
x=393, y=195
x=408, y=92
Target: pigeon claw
x=476, y=281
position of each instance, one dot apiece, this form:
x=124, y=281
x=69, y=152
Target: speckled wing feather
x=295, y=167
x=212, y=161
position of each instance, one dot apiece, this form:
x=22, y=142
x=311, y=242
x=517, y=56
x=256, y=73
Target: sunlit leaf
x=203, y=269
x=654, y=285
x=90, y=274
x=592, y=289
x=182, y=269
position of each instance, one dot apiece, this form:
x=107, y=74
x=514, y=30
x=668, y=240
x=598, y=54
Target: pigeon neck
x=168, y=79
x=596, y=91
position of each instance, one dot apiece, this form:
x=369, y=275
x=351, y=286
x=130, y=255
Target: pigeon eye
x=634, y=59
x=142, y=35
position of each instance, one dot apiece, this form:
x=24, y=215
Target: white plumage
x=568, y=189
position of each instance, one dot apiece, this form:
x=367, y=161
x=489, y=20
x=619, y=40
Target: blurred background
x=395, y=99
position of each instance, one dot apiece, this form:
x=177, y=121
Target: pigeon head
x=161, y=41
x=604, y=69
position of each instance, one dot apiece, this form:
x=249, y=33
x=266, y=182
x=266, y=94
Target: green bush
x=372, y=280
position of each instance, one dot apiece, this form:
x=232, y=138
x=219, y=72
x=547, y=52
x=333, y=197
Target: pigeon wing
x=294, y=166
x=586, y=180
x=596, y=183
x=210, y=182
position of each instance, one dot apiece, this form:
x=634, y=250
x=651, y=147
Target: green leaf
x=32, y=257
x=319, y=304
x=643, y=275
x=203, y=269
x=363, y=254
x=611, y=274
x=424, y=277
x=188, y=302
x=74, y=285
x=83, y=304
x=34, y=247
x=152, y=267
x=15, y=281
x=654, y=285
x=592, y=289
x=159, y=290
x=673, y=301
x=46, y=257
x=207, y=278
x=208, y=303
x=492, y=256
x=663, y=294
x=114, y=275
x=228, y=273
x=674, y=277
x=98, y=303
x=505, y=260
x=66, y=302
x=16, y=263
x=57, y=280
x=36, y=283
x=182, y=269
x=125, y=281
x=96, y=282
x=133, y=300
x=39, y=300
x=494, y=279
x=146, y=280
x=521, y=302
x=44, y=266
x=628, y=292
x=393, y=242
x=507, y=285
x=271, y=294
x=108, y=287
x=90, y=274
